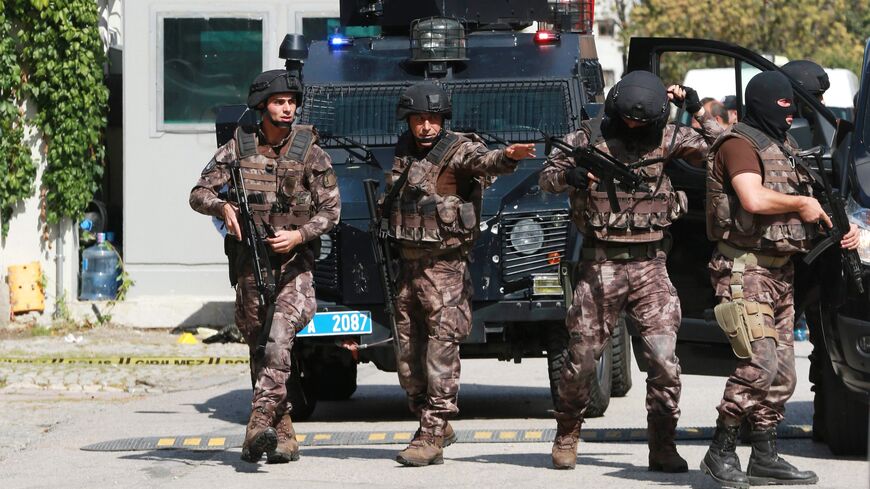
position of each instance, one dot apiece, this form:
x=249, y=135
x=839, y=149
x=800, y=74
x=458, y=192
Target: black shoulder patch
x=209, y=167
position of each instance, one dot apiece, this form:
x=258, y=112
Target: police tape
x=361, y=438
x=157, y=361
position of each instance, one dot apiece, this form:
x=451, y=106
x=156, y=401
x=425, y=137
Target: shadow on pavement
x=190, y=457
x=387, y=403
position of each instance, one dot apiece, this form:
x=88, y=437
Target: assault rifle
x=383, y=257
x=264, y=278
x=608, y=169
x=837, y=212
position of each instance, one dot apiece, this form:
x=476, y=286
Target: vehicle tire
x=840, y=417
x=301, y=391
x=621, y=377
x=599, y=390
x=557, y=352
x=335, y=381
x=845, y=415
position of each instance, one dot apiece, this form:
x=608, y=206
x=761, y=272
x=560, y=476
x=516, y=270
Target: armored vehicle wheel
x=301, y=391
x=335, y=381
x=844, y=414
x=621, y=378
x=840, y=417
x=599, y=395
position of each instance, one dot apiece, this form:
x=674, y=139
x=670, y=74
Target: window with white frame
x=204, y=63
x=606, y=27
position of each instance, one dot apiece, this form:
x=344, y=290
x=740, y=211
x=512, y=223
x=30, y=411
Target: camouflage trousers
x=760, y=386
x=603, y=290
x=294, y=308
x=433, y=317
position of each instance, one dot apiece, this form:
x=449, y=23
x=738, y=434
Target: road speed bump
x=360, y=438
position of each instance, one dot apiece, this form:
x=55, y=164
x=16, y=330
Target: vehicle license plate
x=338, y=323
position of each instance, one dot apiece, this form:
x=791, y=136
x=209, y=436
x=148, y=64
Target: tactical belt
x=752, y=258
x=603, y=250
x=409, y=253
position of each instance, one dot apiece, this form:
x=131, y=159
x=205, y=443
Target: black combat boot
x=663, y=456
x=260, y=436
x=721, y=461
x=766, y=467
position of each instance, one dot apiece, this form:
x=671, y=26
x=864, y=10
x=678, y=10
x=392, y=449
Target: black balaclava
x=762, y=111
x=641, y=96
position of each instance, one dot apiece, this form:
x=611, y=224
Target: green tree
x=829, y=32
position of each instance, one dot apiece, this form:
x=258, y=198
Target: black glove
x=693, y=103
x=577, y=178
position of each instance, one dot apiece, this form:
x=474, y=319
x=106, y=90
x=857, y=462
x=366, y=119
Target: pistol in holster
x=742, y=320
x=743, y=323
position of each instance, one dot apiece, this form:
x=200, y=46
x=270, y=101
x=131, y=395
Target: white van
x=719, y=82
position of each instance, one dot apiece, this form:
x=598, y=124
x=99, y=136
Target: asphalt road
x=45, y=434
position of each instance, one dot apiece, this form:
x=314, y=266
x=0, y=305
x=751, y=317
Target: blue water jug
x=100, y=272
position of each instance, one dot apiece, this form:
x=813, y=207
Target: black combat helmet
x=271, y=82
x=421, y=98
x=640, y=96
x=811, y=76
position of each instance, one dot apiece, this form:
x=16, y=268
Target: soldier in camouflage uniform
x=433, y=211
x=624, y=254
x=761, y=211
x=292, y=191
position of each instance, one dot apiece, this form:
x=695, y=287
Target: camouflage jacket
x=643, y=217
x=318, y=178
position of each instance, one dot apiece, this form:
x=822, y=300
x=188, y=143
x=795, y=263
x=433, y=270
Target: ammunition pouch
x=742, y=320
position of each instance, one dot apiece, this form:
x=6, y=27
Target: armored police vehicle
x=506, y=86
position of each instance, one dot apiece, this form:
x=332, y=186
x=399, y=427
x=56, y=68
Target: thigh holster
x=743, y=321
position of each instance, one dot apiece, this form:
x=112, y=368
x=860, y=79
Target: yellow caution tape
x=159, y=361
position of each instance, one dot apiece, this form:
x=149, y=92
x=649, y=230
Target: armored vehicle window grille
x=533, y=243
x=326, y=267
x=366, y=113
x=516, y=110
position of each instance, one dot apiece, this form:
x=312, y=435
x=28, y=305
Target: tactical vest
x=275, y=186
x=727, y=220
x=643, y=216
x=423, y=218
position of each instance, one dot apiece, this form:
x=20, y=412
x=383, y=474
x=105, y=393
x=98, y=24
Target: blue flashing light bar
x=337, y=42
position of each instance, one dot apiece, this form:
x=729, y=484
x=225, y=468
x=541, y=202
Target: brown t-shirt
x=737, y=156
x=733, y=157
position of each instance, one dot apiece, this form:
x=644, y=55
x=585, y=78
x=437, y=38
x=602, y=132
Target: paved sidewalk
x=53, y=372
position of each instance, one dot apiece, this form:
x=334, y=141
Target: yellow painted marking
x=611, y=434
x=217, y=442
x=402, y=436
x=482, y=435
x=507, y=435
x=805, y=428
x=533, y=435
x=692, y=430
x=377, y=436
x=192, y=442
x=301, y=437
x=638, y=433
x=166, y=442
x=322, y=436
